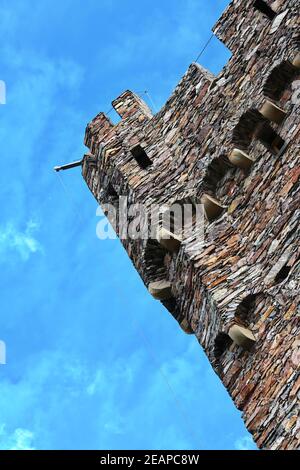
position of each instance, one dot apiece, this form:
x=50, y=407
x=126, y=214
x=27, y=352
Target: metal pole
x=68, y=166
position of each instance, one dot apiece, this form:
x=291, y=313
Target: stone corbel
x=241, y=159
x=272, y=112
x=296, y=61
x=168, y=240
x=242, y=336
x=160, y=290
x=212, y=207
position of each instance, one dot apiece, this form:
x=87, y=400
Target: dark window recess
x=111, y=192
x=269, y=138
x=279, y=80
x=141, y=157
x=222, y=343
x=246, y=308
x=282, y=274
x=264, y=8
x=110, y=195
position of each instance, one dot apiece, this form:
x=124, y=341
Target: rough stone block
x=160, y=290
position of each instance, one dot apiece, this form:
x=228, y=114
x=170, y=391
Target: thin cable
x=69, y=197
x=142, y=334
x=151, y=101
x=110, y=111
x=140, y=93
x=148, y=94
x=204, y=48
x=180, y=407
x=145, y=340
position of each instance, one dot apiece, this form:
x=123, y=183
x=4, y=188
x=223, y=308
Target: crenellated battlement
x=230, y=144
x=242, y=21
x=98, y=130
x=129, y=106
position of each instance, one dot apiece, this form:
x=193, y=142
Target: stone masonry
x=232, y=143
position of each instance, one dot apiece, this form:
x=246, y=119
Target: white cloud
x=96, y=384
x=244, y=443
x=21, y=242
x=19, y=439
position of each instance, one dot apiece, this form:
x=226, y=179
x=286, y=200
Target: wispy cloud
x=19, y=439
x=23, y=243
x=245, y=443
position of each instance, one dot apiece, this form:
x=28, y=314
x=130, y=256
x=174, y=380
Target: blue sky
x=93, y=362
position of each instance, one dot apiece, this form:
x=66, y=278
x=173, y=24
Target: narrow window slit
x=264, y=8
x=282, y=274
x=111, y=192
x=222, y=343
x=141, y=157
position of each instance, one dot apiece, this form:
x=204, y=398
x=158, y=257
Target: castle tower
x=230, y=143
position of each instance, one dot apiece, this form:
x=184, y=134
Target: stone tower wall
x=243, y=279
